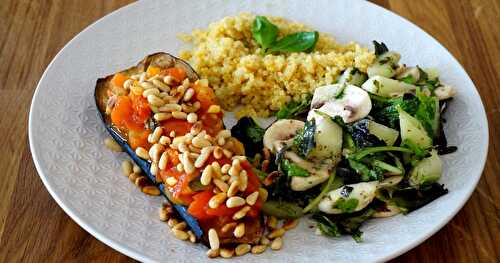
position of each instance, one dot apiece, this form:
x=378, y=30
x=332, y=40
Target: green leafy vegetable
x=294, y=108
x=370, y=150
x=297, y=42
x=304, y=140
x=326, y=226
x=337, y=225
x=388, y=110
x=264, y=32
x=428, y=113
x=418, y=151
x=409, y=79
x=380, y=48
x=367, y=174
x=410, y=199
x=346, y=205
x=248, y=132
x=292, y=169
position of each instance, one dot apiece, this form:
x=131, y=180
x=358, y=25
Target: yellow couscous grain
x=226, y=54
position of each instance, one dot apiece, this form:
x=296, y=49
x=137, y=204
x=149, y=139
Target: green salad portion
x=367, y=146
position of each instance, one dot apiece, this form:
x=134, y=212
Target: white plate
x=85, y=179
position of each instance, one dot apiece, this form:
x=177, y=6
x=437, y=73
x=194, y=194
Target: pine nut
x=221, y=185
x=137, y=90
x=225, y=168
x=221, y=141
x=172, y=134
x=200, y=143
x=194, y=150
x=191, y=107
x=213, y=253
x=252, y=198
x=185, y=83
x=224, y=134
x=155, y=151
x=239, y=230
x=243, y=180
x=213, y=239
x=276, y=233
x=204, y=155
x=133, y=176
x=179, y=115
x=234, y=171
x=155, y=101
x=218, y=152
x=183, y=147
x=228, y=227
x=180, y=226
x=263, y=194
x=217, y=200
x=235, y=201
x=164, y=212
x=290, y=224
x=161, y=116
x=182, y=235
x=225, y=178
x=277, y=243
x=242, y=249
x=227, y=153
x=128, y=83
x=142, y=153
x=151, y=190
x=272, y=222
x=226, y=253
x=169, y=80
x=258, y=249
x=188, y=165
x=180, y=168
x=197, y=128
x=156, y=134
x=192, y=117
x=147, y=85
x=192, y=237
x=241, y=213
x=188, y=95
x=141, y=181
x=172, y=222
x=206, y=175
x=136, y=169
x=162, y=163
x=171, y=181
x=233, y=188
x=161, y=85
x=213, y=109
x=152, y=91
x=126, y=167
x=112, y=145
x=265, y=241
x=154, y=168
x=170, y=107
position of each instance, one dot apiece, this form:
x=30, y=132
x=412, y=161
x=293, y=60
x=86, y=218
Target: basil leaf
x=346, y=205
x=297, y=42
x=264, y=32
x=304, y=141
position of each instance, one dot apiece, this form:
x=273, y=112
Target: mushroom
x=363, y=193
x=281, y=133
x=445, y=92
x=317, y=173
x=347, y=101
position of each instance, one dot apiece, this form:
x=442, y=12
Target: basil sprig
x=265, y=34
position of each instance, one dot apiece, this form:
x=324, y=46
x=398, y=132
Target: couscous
x=226, y=54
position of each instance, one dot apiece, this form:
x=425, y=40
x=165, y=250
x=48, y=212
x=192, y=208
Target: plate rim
x=122, y=248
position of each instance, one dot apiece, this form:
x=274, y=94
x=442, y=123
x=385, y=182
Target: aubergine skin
x=163, y=60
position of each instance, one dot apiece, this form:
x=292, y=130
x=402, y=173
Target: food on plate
x=246, y=62
x=357, y=134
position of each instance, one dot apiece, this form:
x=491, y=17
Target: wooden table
x=34, y=229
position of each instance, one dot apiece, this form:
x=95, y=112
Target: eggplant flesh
x=163, y=60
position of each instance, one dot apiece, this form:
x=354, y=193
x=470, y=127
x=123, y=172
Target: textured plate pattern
x=84, y=177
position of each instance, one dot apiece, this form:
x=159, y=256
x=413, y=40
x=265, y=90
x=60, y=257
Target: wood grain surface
x=34, y=229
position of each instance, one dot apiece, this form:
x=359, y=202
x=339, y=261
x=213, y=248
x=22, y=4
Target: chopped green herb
x=292, y=169
x=346, y=205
